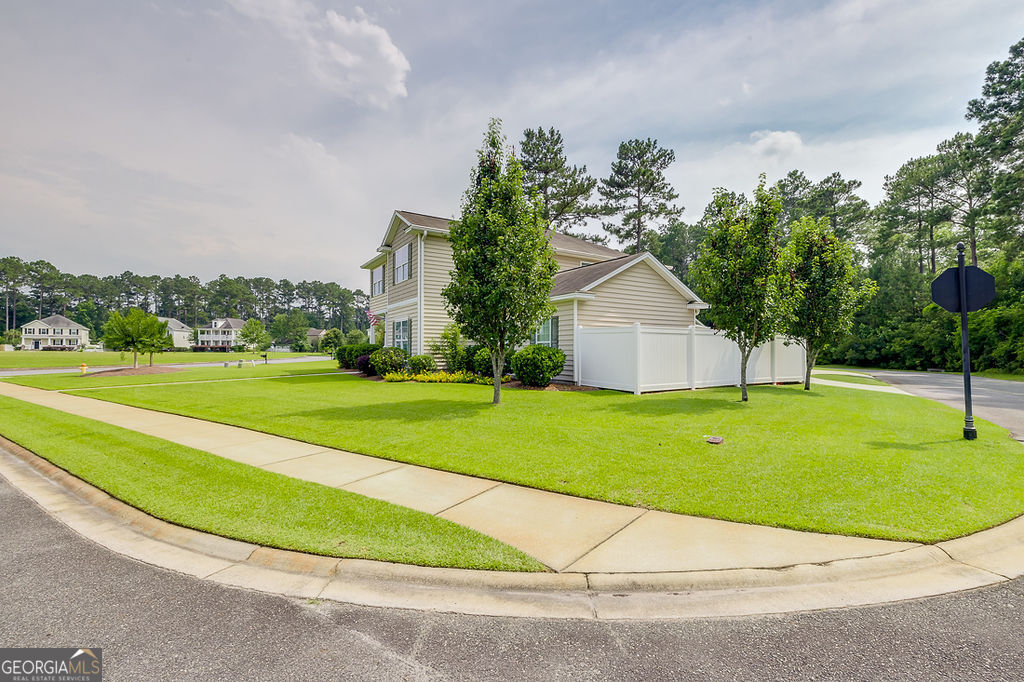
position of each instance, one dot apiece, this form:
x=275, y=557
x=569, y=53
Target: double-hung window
x=400, y=335
x=403, y=263
x=547, y=333
x=377, y=281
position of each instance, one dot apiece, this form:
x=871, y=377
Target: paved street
x=62, y=590
x=996, y=400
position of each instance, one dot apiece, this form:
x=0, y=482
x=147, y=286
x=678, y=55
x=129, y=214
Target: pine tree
x=564, y=190
x=637, y=192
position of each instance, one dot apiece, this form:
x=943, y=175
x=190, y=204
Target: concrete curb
x=985, y=558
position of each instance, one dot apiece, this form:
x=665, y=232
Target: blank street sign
x=981, y=289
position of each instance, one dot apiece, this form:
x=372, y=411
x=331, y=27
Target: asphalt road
x=58, y=589
x=996, y=400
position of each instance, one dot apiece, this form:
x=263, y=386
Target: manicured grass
x=199, y=490
x=847, y=379
x=78, y=381
x=830, y=459
x=29, y=359
x=993, y=374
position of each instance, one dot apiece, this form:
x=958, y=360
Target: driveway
x=996, y=400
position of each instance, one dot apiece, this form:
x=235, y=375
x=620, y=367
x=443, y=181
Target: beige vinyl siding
x=566, y=262
x=406, y=312
x=565, y=338
x=437, y=263
x=637, y=295
x=402, y=291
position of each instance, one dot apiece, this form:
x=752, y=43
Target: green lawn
x=199, y=490
x=847, y=379
x=29, y=359
x=233, y=372
x=990, y=373
x=830, y=459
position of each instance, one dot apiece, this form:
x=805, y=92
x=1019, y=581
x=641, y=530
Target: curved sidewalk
x=566, y=533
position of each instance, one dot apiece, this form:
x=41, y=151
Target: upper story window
x=403, y=263
x=377, y=281
x=58, y=331
x=30, y=330
x=73, y=332
x=547, y=333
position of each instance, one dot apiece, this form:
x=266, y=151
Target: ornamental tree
x=254, y=335
x=821, y=282
x=737, y=270
x=137, y=331
x=504, y=268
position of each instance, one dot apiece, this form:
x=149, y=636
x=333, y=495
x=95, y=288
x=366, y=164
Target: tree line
x=970, y=189
x=36, y=289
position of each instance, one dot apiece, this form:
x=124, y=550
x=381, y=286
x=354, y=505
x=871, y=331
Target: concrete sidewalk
x=567, y=534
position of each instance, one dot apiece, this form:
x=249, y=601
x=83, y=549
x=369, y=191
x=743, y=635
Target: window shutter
x=554, y=332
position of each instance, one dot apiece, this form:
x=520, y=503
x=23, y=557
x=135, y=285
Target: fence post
x=636, y=350
x=691, y=358
x=774, y=342
x=577, y=368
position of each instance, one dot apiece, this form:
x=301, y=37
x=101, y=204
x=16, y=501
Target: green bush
x=537, y=365
x=449, y=347
x=468, y=359
x=347, y=355
x=389, y=359
x=355, y=337
x=419, y=364
x=482, y=363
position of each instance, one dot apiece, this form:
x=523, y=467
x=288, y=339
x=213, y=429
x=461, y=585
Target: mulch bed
x=553, y=386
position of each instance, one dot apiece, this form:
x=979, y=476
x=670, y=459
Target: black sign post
x=964, y=289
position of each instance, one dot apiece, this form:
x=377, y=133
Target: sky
x=276, y=137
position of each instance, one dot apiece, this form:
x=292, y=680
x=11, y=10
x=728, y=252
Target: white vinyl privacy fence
x=642, y=359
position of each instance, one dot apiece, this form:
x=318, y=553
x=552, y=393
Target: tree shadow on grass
x=665, y=404
x=401, y=411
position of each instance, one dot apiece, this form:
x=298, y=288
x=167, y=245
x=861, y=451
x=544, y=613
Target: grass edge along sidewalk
x=199, y=490
x=40, y=359
x=830, y=460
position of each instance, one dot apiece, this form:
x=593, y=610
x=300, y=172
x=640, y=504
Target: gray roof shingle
x=62, y=322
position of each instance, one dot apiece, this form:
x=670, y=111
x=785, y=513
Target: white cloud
x=352, y=57
x=778, y=143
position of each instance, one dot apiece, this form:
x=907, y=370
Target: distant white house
x=221, y=333
x=181, y=333
x=55, y=331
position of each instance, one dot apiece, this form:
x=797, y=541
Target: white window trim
x=376, y=284
x=404, y=267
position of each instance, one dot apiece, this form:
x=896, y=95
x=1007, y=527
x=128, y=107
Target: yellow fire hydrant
x=83, y=367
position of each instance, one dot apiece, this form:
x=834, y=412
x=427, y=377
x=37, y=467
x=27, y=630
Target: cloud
x=351, y=57
x=777, y=143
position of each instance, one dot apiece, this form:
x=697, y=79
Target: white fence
x=641, y=359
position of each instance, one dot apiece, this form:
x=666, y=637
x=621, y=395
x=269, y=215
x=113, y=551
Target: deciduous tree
x=136, y=331
x=737, y=271
x=503, y=265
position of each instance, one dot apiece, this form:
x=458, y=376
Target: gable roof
x=583, y=279
x=174, y=325
x=560, y=242
x=229, y=323
x=57, y=321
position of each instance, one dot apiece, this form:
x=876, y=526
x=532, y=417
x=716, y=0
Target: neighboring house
x=314, y=336
x=55, y=331
x=221, y=333
x=181, y=333
x=596, y=286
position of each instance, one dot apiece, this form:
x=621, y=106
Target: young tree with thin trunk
x=136, y=331
x=737, y=271
x=639, y=194
x=821, y=284
x=504, y=268
x=254, y=335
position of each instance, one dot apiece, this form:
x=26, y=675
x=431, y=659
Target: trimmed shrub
x=388, y=359
x=364, y=365
x=460, y=377
x=482, y=363
x=449, y=347
x=468, y=359
x=536, y=365
x=347, y=355
x=418, y=364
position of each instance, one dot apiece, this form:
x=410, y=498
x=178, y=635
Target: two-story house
x=596, y=286
x=55, y=331
x=180, y=333
x=220, y=334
